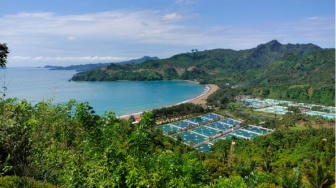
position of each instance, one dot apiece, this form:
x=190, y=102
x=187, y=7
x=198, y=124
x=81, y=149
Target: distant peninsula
x=87, y=67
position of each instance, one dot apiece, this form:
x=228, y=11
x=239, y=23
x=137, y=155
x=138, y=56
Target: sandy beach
x=202, y=99
x=198, y=100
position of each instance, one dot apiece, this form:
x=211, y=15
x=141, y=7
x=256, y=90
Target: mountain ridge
x=201, y=65
x=298, y=72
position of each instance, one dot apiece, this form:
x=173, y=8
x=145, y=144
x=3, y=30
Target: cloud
x=144, y=23
x=172, y=17
x=72, y=38
x=40, y=60
x=184, y=2
x=93, y=58
x=46, y=37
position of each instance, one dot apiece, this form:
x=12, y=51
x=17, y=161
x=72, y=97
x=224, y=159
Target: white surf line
x=261, y=127
x=250, y=131
x=205, y=91
x=132, y=114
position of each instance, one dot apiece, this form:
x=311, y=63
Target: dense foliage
x=310, y=78
x=205, y=65
x=3, y=54
x=68, y=145
x=289, y=158
x=314, y=69
x=178, y=111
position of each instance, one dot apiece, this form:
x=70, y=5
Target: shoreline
x=201, y=100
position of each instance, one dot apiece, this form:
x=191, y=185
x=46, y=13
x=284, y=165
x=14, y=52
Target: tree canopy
x=3, y=54
x=68, y=145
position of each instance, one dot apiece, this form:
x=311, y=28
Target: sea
x=121, y=97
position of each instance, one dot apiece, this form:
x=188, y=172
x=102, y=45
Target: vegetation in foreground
x=68, y=145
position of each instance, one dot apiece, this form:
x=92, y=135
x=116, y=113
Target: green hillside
x=314, y=68
x=67, y=145
x=302, y=72
x=308, y=78
x=202, y=66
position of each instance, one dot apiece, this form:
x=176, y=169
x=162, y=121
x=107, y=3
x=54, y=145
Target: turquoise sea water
x=121, y=97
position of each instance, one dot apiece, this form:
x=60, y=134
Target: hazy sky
x=63, y=32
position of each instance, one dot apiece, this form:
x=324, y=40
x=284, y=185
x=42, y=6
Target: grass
x=298, y=128
x=259, y=113
x=314, y=124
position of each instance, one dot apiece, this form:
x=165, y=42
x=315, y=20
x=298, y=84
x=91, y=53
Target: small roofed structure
x=136, y=121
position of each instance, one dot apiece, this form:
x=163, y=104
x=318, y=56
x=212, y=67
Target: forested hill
x=309, y=78
x=202, y=65
x=316, y=68
x=299, y=72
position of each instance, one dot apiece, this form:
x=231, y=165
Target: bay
x=121, y=97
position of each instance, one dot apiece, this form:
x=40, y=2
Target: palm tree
x=3, y=54
x=319, y=177
x=293, y=180
x=146, y=120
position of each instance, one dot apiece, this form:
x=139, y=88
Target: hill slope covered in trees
x=272, y=70
x=67, y=145
x=202, y=66
x=309, y=78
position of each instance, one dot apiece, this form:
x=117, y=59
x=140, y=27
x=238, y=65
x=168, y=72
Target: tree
x=147, y=120
x=84, y=113
x=232, y=156
x=3, y=54
x=319, y=177
x=232, y=181
x=293, y=180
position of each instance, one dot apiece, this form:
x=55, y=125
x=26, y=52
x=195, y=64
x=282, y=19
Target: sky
x=63, y=32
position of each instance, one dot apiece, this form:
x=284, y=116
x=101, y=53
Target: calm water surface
x=122, y=97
